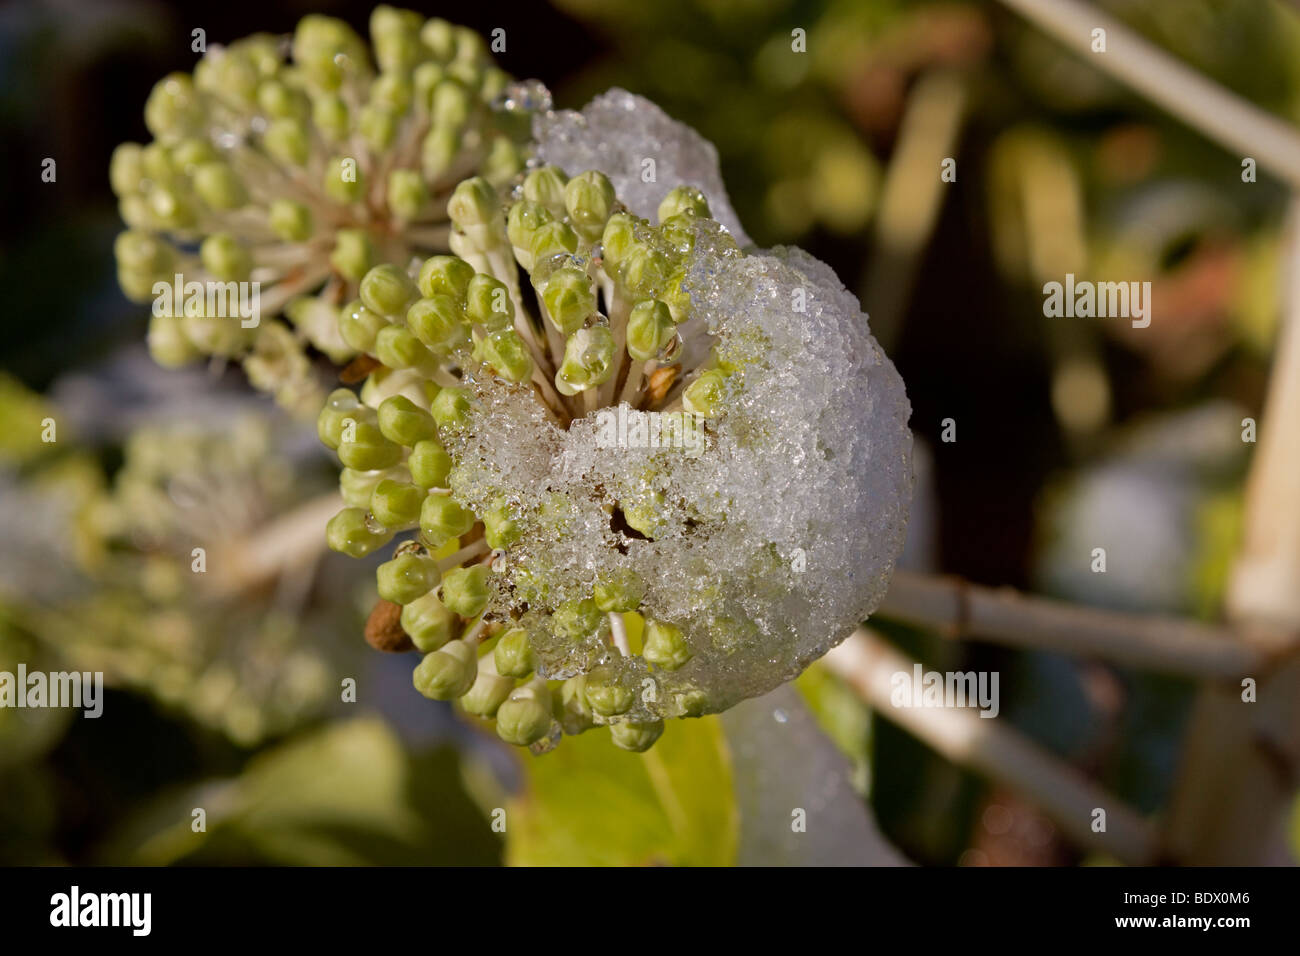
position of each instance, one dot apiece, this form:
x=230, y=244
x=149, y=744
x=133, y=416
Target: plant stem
x=1239, y=126
x=868, y=663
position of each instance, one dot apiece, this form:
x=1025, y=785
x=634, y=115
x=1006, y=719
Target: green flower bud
x=189, y=154
x=279, y=101
x=619, y=591
x=506, y=352
x=644, y=270
x=168, y=344
x=503, y=161
x=430, y=464
x=442, y=519
x=469, y=75
x=679, y=232
x=156, y=162
x=569, y=299
x=488, y=302
x=465, y=591
x=588, y=360
x=170, y=208
x=619, y=236
x=396, y=37
x=126, y=169
x=447, y=673
x=589, y=199
x=574, y=621
x=219, y=187
x=573, y=710
x=704, y=395
x=378, y=126
x=450, y=105
x=665, y=645
x=474, y=203
x=645, y=514
x=650, y=328
x=636, y=737
x=144, y=253
x=500, y=529
x=329, y=113
x=439, y=323
x=349, y=533
x=522, y=223
x=445, y=275
x=513, y=655
x=340, y=404
x=439, y=151
x=677, y=298
x=404, y=422
x=173, y=109
x=397, y=347
x=545, y=187
x=450, y=408
x=225, y=257
x=364, y=447
x=488, y=694
x=326, y=50
x=407, y=194
x=525, y=717
x=388, y=290
x=290, y=220
x=425, y=77
x=440, y=37
x=685, y=200
x=407, y=576
x=358, y=487
x=606, y=695
x=392, y=91
x=353, y=253
x=428, y=623
x=359, y=326
x=288, y=141
x=553, y=239
x=343, y=181
x=396, y=504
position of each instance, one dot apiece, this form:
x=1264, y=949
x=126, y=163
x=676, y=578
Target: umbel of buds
x=562, y=569
x=298, y=164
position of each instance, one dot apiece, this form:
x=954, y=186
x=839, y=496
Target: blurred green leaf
x=590, y=804
x=842, y=716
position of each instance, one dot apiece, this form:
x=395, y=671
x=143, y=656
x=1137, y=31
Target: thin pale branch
x=991, y=747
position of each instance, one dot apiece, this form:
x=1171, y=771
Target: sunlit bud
x=388, y=290
x=650, y=328
x=636, y=737
x=430, y=464
x=545, y=187
x=683, y=200
x=350, y=533
x=589, y=199
x=569, y=299
x=447, y=673
x=525, y=717
x=396, y=504
x=522, y=223
x=404, y=422
x=359, y=326
x=445, y=275
x=442, y=519
x=553, y=239
x=619, y=236
x=439, y=323
x=428, y=623
x=170, y=208
x=407, y=576
x=465, y=591
x=474, y=203
x=513, y=654
x=665, y=645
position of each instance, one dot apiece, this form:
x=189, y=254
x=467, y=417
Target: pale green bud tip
x=219, y=186
x=513, y=654
x=589, y=200
x=396, y=504
x=588, y=359
x=404, y=422
x=290, y=220
x=397, y=347
x=506, y=352
x=363, y=446
x=704, y=396
x=226, y=258
x=428, y=623
x=524, y=220
x=442, y=519
x=348, y=532
x=407, y=194
x=173, y=109
x=488, y=302
x=635, y=737
x=359, y=326
x=487, y=695
x=451, y=408
x=168, y=344
x=619, y=237
x=684, y=199
x=341, y=403
x=525, y=717
x=545, y=186
x=429, y=464
x=445, y=275
x=439, y=322
x=465, y=591
x=288, y=141
x=500, y=529
x=447, y=673
x=474, y=203
x=343, y=181
x=605, y=693
x=388, y=290
x=665, y=645
x=353, y=253
x=553, y=239
x=619, y=591
x=569, y=299
x=407, y=576
x=650, y=328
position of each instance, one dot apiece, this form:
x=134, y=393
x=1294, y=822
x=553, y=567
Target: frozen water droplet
x=373, y=524
x=780, y=716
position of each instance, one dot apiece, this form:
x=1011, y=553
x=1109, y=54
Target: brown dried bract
x=384, y=629
x=356, y=370
x=661, y=380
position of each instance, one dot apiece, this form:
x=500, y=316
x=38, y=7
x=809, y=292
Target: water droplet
x=780, y=716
